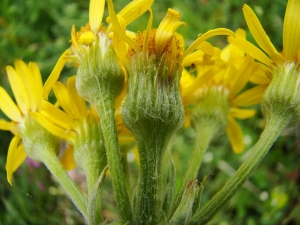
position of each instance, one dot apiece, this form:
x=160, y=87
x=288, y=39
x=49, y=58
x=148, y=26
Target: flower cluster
x=137, y=88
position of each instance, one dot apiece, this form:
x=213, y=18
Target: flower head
x=225, y=79
x=26, y=84
x=94, y=37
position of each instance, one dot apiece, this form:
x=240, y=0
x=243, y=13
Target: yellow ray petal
x=57, y=116
x=250, y=49
x=54, y=74
x=4, y=125
x=260, y=35
x=250, y=97
x=15, y=157
x=18, y=89
x=19, y=157
x=117, y=28
x=241, y=113
x=77, y=103
x=291, y=31
x=204, y=37
x=28, y=81
x=242, y=76
x=37, y=82
x=259, y=77
x=9, y=107
x=96, y=11
x=61, y=93
x=235, y=135
x=134, y=10
x=166, y=30
x=53, y=128
x=67, y=159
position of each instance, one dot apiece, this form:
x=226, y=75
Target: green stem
x=94, y=199
x=149, y=200
x=205, y=133
x=272, y=130
x=105, y=109
x=56, y=168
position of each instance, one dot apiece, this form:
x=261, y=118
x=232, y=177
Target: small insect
x=192, y=67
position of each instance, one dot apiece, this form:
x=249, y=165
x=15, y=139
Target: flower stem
x=149, y=191
x=272, y=130
x=205, y=133
x=56, y=168
x=105, y=109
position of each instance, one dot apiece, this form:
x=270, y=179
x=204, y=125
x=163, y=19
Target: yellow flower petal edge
x=38, y=83
x=241, y=113
x=62, y=95
x=28, y=82
x=204, y=37
x=134, y=9
x=117, y=27
x=54, y=75
x=11, y=157
x=96, y=11
x=260, y=35
x=250, y=49
x=235, y=135
x=67, y=159
x=19, y=157
x=9, y=108
x=18, y=89
x=250, y=97
x=4, y=125
x=77, y=102
x=166, y=30
x=291, y=30
x=57, y=116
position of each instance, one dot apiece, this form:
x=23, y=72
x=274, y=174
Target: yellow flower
x=291, y=38
x=69, y=124
x=94, y=35
x=163, y=40
x=26, y=85
x=229, y=75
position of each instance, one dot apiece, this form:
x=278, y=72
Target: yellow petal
x=117, y=28
x=86, y=38
x=250, y=49
x=38, y=83
x=15, y=156
x=291, y=31
x=28, y=81
x=96, y=11
x=241, y=113
x=4, y=125
x=57, y=116
x=54, y=75
x=9, y=107
x=67, y=159
x=77, y=103
x=259, y=77
x=18, y=89
x=250, y=97
x=204, y=37
x=166, y=30
x=134, y=10
x=235, y=135
x=242, y=76
x=61, y=93
x=53, y=128
x=260, y=35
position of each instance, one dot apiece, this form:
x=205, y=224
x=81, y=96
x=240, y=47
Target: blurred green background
x=40, y=31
